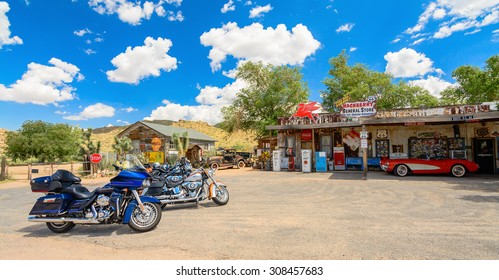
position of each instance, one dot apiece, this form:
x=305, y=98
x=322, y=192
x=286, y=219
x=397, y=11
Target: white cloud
x=258, y=11
x=418, y=41
x=129, y=109
x=347, y=27
x=408, y=63
x=97, y=110
x=90, y=51
x=141, y=62
x=447, y=30
x=82, y=32
x=210, y=95
x=5, y=38
x=160, y=11
x=254, y=43
x=175, y=2
x=495, y=36
x=396, y=40
x=460, y=15
x=210, y=102
x=131, y=12
x=43, y=84
x=229, y=6
x=175, y=17
x=352, y=49
x=433, y=84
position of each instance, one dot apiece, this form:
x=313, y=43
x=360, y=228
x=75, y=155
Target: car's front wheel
x=458, y=170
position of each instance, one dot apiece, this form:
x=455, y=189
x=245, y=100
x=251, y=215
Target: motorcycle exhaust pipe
x=62, y=220
x=166, y=201
x=196, y=198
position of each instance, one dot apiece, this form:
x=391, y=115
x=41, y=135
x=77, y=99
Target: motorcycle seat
x=78, y=191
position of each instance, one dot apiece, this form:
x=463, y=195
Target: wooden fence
x=33, y=170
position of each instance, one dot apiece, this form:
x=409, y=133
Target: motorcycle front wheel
x=222, y=195
x=145, y=220
x=61, y=227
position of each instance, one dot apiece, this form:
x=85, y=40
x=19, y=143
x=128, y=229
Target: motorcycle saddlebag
x=50, y=204
x=40, y=184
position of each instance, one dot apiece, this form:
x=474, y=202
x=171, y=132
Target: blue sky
x=96, y=63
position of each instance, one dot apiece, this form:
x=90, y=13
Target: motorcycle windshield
x=132, y=163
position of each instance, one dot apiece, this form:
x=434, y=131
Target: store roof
x=168, y=130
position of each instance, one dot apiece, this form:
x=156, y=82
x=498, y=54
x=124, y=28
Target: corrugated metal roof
x=168, y=130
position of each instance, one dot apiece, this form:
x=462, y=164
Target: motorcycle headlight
x=146, y=183
x=211, y=172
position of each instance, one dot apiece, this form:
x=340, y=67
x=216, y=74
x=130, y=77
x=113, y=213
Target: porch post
x=364, y=154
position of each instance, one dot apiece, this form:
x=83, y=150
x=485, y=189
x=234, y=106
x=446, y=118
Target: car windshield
x=132, y=163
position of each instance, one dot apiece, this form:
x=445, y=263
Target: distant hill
x=241, y=140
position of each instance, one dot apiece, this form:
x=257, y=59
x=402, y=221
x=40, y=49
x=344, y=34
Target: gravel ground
x=284, y=216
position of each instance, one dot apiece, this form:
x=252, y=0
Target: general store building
x=463, y=131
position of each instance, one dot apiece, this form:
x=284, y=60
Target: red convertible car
x=402, y=167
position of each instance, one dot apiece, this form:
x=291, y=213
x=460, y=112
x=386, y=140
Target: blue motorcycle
x=68, y=203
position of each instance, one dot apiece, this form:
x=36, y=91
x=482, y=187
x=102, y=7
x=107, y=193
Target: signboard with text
x=95, y=158
x=358, y=109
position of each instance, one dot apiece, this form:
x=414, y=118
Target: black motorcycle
x=180, y=184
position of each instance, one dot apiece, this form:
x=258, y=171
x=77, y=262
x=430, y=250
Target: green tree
x=473, y=84
x=122, y=145
x=88, y=147
x=272, y=92
x=45, y=141
x=358, y=82
x=181, y=142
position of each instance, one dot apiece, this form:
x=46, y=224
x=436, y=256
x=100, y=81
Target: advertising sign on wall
x=306, y=135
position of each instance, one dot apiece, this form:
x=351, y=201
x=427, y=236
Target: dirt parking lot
x=284, y=216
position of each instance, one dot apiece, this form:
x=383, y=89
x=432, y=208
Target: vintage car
x=229, y=158
x=425, y=165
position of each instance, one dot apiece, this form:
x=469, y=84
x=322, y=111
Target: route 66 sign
x=381, y=133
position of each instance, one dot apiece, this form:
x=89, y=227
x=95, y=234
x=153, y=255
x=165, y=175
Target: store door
x=483, y=152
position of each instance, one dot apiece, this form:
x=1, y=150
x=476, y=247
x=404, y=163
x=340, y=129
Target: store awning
x=442, y=119
x=407, y=121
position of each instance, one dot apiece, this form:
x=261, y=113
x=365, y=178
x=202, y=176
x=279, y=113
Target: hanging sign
x=363, y=143
x=358, y=109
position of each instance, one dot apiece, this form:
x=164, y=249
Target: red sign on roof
x=306, y=110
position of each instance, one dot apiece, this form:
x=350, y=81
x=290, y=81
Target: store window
x=326, y=145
